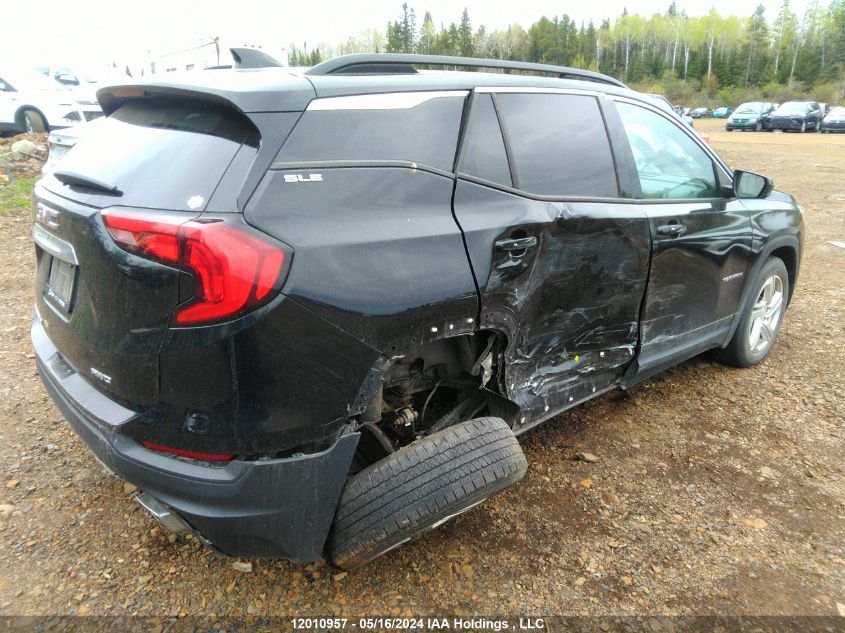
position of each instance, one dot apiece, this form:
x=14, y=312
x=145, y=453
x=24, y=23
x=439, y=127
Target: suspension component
x=405, y=417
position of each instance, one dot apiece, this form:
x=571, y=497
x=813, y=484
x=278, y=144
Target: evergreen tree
x=720, y=54
x=465, y=44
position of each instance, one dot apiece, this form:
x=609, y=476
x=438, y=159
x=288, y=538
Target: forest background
x=710, y=60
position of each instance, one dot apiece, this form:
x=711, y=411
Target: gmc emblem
x=47, y=216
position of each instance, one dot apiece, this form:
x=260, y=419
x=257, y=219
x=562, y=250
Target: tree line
x=709, y=59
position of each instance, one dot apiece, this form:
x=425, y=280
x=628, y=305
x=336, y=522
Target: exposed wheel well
x=428, y=388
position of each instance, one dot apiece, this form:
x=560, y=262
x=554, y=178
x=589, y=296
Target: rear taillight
x=211, y=457
x=234, y=271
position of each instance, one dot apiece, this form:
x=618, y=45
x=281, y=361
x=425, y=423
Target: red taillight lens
x=212, y=457
x=234, y=271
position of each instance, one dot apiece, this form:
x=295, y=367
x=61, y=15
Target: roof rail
x=400, y=63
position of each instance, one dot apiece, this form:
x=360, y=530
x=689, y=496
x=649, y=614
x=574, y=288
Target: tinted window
x=559, y=144
x=160, y=153
x=417, y=127
x=669, y=163
x=484, y=153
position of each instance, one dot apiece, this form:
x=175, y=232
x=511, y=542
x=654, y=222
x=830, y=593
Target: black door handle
x=516, y=244
x=673, y=228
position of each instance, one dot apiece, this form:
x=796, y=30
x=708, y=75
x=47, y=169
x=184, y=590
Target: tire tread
x=421, y=483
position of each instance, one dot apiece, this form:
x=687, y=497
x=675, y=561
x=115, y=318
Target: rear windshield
x=162, y=154
x=414, y=127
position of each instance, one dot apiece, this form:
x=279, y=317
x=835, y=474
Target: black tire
x=739, y=352
x=421, y=486
x=803, y=126
x=758, y=127
x=33, y=121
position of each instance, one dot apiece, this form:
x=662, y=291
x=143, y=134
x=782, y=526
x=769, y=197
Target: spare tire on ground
x=422, y=486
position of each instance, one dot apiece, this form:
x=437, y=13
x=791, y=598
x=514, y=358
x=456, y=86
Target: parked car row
x=795, y=116
x=30, y=102
x=764, y=116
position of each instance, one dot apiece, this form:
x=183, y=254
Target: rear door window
x=559, y=145
x=162, y=154
x=483, y=155
x=416, y=127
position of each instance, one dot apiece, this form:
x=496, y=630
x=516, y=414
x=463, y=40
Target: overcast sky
x=100, y=30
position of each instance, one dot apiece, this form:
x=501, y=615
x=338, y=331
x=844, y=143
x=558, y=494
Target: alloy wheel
x=765, y=315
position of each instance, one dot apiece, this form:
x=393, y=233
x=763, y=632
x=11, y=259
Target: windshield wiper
x=74, y=178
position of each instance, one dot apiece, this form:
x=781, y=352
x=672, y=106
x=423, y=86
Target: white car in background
x=84, y=83
x=30, y=102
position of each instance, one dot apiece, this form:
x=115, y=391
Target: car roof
x=281, y=90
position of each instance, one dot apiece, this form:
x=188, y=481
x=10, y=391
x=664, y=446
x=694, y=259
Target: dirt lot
x=717, y=490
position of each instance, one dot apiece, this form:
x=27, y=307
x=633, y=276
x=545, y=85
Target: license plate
x=59, y=287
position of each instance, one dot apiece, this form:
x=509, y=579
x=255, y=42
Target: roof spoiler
x=112, y=97
x=398, y=63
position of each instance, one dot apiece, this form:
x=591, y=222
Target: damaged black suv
x=310, y=313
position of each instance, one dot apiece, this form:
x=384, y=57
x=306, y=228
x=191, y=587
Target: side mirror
x=747, y=184
x=3, y=86
x=67, y=79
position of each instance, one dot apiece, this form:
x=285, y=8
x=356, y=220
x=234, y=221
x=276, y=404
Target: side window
x=483, y=154
x=559, y=145
x=420, y=127
x=4, y=87
x=669, y=163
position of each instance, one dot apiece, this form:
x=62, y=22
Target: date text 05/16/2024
x=419, y=624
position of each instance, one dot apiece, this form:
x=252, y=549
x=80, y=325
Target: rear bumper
x=279, y=508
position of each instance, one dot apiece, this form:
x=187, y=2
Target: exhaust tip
x=161, y=513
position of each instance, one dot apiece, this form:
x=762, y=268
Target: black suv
x=309, y=313
x=798, y=116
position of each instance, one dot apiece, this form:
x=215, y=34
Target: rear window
x=559, y=144
x=162, y=154
x=418, y=127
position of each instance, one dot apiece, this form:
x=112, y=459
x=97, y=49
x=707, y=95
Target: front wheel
x=758, y=127
x=803, y=126
x=761, y=318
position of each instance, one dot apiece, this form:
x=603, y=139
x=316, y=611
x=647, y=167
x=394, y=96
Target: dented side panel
x=570, y=303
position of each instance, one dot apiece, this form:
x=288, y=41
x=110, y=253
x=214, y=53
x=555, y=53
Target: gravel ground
x=716, y=490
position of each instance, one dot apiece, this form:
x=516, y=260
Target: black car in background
x=834, y=121
x=749, y=116
x=310, y=313
x=701, y=113
x=795, y=116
